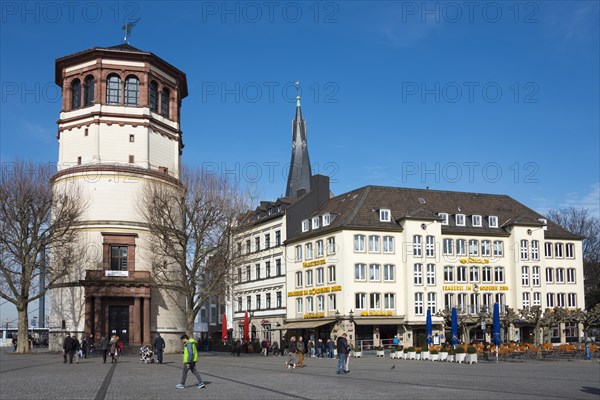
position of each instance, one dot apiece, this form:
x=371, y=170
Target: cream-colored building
x=119, y=130
x=370, y=262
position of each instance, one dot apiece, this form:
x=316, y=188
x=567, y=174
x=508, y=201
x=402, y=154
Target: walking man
x=104, y=345
x=159, y=347
x=342, y=350
x=68, y=349
x=300, y=350
x=190, y=358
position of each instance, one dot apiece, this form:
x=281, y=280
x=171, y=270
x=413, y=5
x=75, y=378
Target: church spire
x=300, y=171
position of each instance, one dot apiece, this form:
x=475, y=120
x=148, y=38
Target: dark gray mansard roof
x=358, y=209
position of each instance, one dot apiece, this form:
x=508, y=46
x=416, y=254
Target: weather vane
x=297, y=83
x=127, y=28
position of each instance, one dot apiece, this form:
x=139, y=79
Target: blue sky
x=491, y=97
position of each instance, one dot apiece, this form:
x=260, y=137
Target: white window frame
x=550, y=303
x=385, y=215
x=305, y=225
x=359, y=244
x=418, y=274
x=448, y=247
x=320, y=303
x=360, y=300
x=537, y=299
x=389, y=301
x=444, y=217
x=309, y=251
x=473, y=248
x=316, y=222
x=535, y=276
x=432, y=302
x=331, y=300
x=570, y=250
x=320, y=276
x=309, y=277
x=473, y=274
x=461, y=274
x=459, y=219
x=319, y=248
x=430, y=278
x=299, y=306
x=486, y=274
x=548, y=247
x=525, y=275
x=374, y=244
x=448, y=274
x=524, y=250
x=430, y=246
x=360, y=272
x=298, y=253
x=560, y=275
x=388, y=244
x=476, y=220
x=326, y=219
x=526, y=301
x=499, y=275
x=558, y=250
x=299, y=279
x=560, y=300
x=389, y=272
x=419, y=303
x=417, y=246
x=486, y=248
x=493, y=221
x=535, y=250
x=331, y=273
x=310, y=305
x=375, y=273
x=572, y=300
x=549, y=275
x=375, y=301
x=461, y=247
x=571, y=275
x=498, y=248
x=330, y=246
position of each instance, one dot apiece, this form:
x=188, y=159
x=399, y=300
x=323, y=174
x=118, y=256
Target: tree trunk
x=23, y=340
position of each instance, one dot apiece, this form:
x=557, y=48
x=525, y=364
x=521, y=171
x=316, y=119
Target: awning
x=304, y=324
x=379, y=321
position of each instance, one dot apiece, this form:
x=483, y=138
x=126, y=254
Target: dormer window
x=444, y=217
x=493, y=221
x=305, y=225
x=385, y=215
x=545, y=222
x=326, y=219
x=476, y=220
x=459, y=219
x=315, y=222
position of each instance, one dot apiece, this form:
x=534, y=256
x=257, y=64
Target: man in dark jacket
x=159, y=347
x=300, y=350
x=342, y=350
x=104, y=346
x=69, y=347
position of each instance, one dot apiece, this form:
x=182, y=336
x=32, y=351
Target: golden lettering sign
x=318, y=290
x=456, y=287
x=472, y=260
x=314, y=315
x=313, y=263
x=486, y=288
x=375, y=313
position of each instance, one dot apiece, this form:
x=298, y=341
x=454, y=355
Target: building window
x=153, y=94
x=432, y=302
x=487, y=303
x=550, y=300
x=499, y=274
x=299, y=279
x=278, y=270
x=88, y=91
x=388, y=272
x=493, y=221
x=525, y=275
x=572, y=300
x=79, y=160
x=248, y=303
x=474, y=274
x=131, y=159
x=277, y=238
x=320, y=303
x=461, y=274
x=498, y=248
x=389, y=301
x=299, y=306
x=388, y=244
x=570, y=250
x=331, y=273
x=75, y=94
x=560, y=275
x=535, y=275
x=417, y=246
x=448, y=274
x=558, y=250
x=319, y=248
x=459, y=219
x=461, y=303
x=257, y=269
x=560, y=300
x=360, y=301
x=164, y=103
x=418, y=274
x=419, y=303
x=309, y=304
x=326, y=219
x=239, y=304
x=461, y=249
x=258, y=304
x=537, y=299
x=549, y=275
x=430, y=246
x=571, y=275
x=278, y=297
x=486, y=248
x=431, y=274
x=309, y=251
x=524, y=250
x=444, y=217
x=375, y=272
x=535, y=250
x=248, y=276
x=473, y=247
x=449, y=301
x=248, y=248
x=359, y=243
x=448, y=247
x=267, y=240
x=385, y=215
x=320, y=276
x=360, y=271
x=331, y=300
x=486, y=274
x=131, y=138
x=330, y=246
x=113, y=90
x=548, y=250
x=298, y=253
x=315, y=222
x=309, y=277
x=474, y=303
x=239, y=275
x=257, y=244
x=132, y=91
x=526, y=300
x=374, y=244
x=118, y=258
x=476, y=220
x=500, y=299
x=305, y=225
x=375, y=301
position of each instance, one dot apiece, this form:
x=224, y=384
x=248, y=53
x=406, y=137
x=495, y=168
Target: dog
x=290, y=365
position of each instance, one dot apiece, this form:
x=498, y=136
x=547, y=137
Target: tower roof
x=300, y=170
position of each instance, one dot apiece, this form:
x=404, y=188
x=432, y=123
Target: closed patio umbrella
x=246, y=337
x=224, y=328
x=428, y=329
x=496, y=331
x=454, y=327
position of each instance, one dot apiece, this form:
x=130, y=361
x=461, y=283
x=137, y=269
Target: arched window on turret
x=88, y=91
x=132, y=91
x=164, y=102
x=113, y=90
x=75, y=94
x=153, y=96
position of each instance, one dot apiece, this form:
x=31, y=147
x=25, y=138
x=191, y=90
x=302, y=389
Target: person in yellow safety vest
x=190, y=358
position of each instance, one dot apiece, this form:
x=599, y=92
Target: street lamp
x=351, y=314
x=337, y=316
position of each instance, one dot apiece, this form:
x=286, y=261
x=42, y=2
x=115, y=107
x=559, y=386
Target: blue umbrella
x=428, y=328
x=454, y=326
x=496, y=332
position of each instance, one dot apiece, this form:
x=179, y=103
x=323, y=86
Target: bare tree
x=33, y=218
x=579, y=222
x=192, y=228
